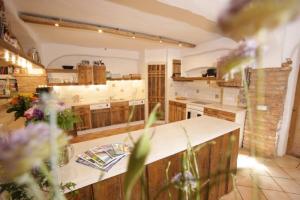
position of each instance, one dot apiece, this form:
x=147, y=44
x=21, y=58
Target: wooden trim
x=50, y=21
x=62, y=71
x=189, y=79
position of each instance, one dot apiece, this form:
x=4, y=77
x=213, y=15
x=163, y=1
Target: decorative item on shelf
x=108, y=75
x=34, y=55
x=84, y=62
x=211, y=72
x=135, y=76
x=67, y=66
x=127, y=77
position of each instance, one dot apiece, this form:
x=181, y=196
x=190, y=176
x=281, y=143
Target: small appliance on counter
x=211, y=72
x=67, y=66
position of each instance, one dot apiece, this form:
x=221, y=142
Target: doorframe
x=293, y=118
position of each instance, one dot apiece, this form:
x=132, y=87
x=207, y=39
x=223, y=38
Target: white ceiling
x=114, y=14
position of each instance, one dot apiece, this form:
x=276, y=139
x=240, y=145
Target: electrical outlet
x=262, y=107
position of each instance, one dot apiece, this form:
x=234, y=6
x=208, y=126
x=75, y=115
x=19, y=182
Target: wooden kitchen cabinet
x=216, y=161
x=119, y=112
x=99, y=73
x=138, y=112
x=85, y=193
x=219, y=114
x=157, y=177
x=85, y=75
x=100, y=118
x=177, y=111
x=84, y=115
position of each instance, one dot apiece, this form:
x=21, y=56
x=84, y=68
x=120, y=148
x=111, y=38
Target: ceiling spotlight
x=100, y=31
x=56, y=24
x=180, y=45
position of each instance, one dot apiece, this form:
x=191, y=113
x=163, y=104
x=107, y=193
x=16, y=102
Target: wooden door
x=99, y=73
x=156, y=88
x=293, y=147
x=84, y=115
x=100, y=118
x=119, y=112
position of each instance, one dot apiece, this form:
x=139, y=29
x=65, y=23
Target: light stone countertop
x=101, y=101
x=214, y=105
x=168, y=139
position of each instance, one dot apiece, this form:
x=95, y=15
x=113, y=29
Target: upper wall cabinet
x=91, y=74
x=99, y=73
x=85, y=74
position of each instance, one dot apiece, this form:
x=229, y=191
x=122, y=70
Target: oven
x=193, y=111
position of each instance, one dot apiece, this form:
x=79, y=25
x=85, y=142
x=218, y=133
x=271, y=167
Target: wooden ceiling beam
x=51, y=21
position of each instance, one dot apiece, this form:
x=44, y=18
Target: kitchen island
x=217, y=138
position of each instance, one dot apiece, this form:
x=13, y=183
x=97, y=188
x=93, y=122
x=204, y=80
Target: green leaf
x=137, y=159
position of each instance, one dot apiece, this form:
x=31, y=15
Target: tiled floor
x=266, y=179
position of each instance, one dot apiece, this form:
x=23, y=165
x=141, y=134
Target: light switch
x=262, y=107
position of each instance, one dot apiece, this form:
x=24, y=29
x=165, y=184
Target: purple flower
x=38, y=114
x=23, y=149
x=185, y=181
x=246, y=18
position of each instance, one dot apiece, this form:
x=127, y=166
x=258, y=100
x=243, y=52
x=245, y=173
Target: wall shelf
x=190, y=79
x=7, y=47
x=124, y=79
x=61, y=84
x=74, y=71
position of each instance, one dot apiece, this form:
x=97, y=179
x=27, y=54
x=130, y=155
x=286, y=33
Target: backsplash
x=123, y=89
x=196, y=90
x=205, y=91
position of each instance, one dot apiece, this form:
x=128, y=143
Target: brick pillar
x=263, y=135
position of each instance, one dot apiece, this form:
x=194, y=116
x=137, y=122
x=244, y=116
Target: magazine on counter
x=104, y=157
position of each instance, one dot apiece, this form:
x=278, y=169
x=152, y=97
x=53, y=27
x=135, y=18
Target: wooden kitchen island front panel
x=216, y=160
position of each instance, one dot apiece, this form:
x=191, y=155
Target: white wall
x=290, y=41
x=206, y=54
x=116, y=60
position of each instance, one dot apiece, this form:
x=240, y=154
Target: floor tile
x=294, y=173
x=278, y=172
x=288, y=185
x=268, y=183
x=267, y=162
x=234, y=195
x=293, y=196
x=287, y=162
x=248, y=193
x=244, y=180
x=276, y=195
